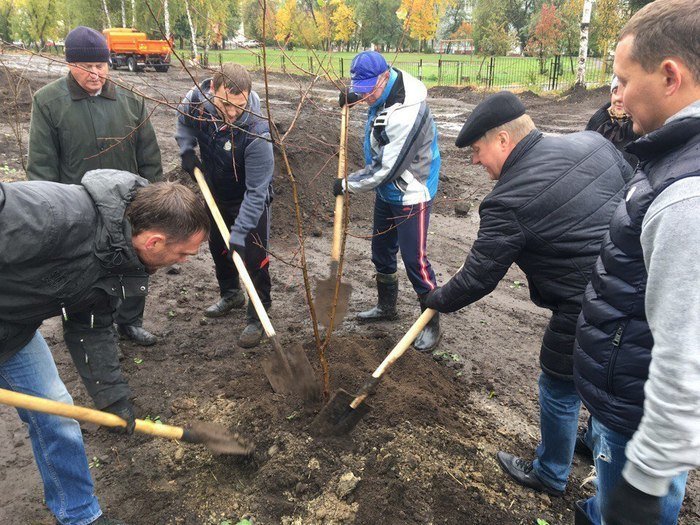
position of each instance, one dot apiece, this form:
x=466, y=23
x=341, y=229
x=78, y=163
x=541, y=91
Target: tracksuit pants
x=403, y=227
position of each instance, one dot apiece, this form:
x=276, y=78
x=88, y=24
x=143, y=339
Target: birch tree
x=583, y=43
x=104, y=8
x=193, y=30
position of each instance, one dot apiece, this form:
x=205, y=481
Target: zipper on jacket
x=617, y=339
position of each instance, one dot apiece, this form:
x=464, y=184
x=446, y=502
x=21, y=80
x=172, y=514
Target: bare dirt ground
x=424, y=454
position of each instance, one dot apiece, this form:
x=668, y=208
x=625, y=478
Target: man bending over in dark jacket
x=76, y=251
x=547, y=213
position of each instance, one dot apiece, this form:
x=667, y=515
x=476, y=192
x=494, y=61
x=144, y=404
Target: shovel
x=214, y=437
x=287, y=370
x=328, y=289
x=343, y=411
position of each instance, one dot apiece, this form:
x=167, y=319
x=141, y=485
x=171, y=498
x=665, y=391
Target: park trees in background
x=497, y=27
x=546, y=35
x=608, y=18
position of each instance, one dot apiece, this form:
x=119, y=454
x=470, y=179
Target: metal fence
x=491, y=73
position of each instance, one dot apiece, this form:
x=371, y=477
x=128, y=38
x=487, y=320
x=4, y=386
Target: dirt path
x=425, y=454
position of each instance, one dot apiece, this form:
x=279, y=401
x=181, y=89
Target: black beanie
x=86, y=45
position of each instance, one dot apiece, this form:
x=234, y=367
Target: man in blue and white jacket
x=402, y=165
x=222, y=116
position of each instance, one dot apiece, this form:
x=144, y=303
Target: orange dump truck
x=132, y=49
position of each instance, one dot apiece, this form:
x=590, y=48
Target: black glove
x=125, y=410
x=429, y=300
x=628, y=505
x=190, y=161
x=347, y=97
x=338, y=187
x=236, y=246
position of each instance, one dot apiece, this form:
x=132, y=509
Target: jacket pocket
x=615, y=349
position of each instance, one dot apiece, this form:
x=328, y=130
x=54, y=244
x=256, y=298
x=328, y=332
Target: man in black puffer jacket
x=76, y=251
x=547, y=213
x=637, y=354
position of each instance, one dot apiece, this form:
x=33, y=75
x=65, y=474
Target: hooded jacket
x=67, y=252
x=613, y=340
x=237, y=158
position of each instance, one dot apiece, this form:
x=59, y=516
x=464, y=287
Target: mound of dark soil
x=418, y=457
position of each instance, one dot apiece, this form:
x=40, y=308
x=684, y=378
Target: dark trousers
x=130, y=311
x=405, y=228
x=256, y=261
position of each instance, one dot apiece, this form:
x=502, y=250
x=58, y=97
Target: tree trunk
x=133, y=13
x=166, y=13
x=123, y=14
x=583, y=43
x=104, y=6
x=193, y=31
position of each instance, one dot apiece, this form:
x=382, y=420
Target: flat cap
x=492, y=112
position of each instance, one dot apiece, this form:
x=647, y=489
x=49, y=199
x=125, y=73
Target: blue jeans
x=56, y=441
x=559, y=408
x=609, y=456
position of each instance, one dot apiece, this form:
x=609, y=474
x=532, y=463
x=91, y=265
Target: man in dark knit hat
x=83, y=122
x=548, y=212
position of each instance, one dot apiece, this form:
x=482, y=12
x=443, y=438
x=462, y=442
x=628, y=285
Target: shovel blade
x=289, y=371
x=218, y=439
x=338, y=417
x=323, y=302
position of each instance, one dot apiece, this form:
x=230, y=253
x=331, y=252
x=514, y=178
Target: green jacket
x=72, y=133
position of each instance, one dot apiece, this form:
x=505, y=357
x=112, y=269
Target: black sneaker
x=521, y=472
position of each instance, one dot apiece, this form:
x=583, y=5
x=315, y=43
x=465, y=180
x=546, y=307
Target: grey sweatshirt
x=259, y=156
x=667, y=441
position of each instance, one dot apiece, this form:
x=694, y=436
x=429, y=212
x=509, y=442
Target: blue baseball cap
x=365, y=69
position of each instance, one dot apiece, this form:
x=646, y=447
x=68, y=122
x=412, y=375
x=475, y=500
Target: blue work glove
x=627, y=505
x=338, y=187
x=347, y=97
x=125, y=410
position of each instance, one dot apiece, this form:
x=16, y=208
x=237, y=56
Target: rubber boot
x=229, y=300
x=429, y=337
x=252, y=334
x=387, y=294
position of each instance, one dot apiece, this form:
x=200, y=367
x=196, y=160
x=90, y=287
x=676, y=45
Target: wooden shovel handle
x=340, y=199
x=240, y=265
x=88, y=415
x=397, y=352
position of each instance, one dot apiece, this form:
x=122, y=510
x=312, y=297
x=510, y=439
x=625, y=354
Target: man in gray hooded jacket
x=75, y=251
x=223, y=117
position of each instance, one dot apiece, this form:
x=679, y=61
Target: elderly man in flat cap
x=548, y=212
